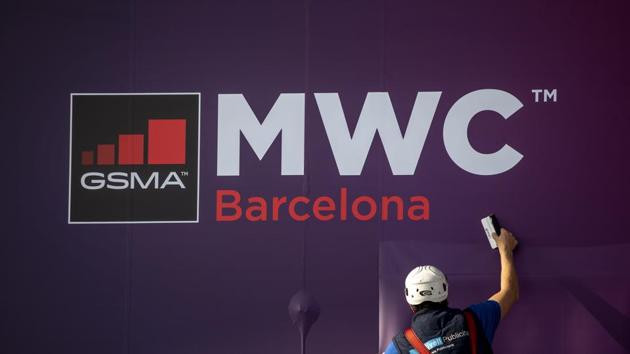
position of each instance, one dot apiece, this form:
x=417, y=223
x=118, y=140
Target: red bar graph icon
x=167, y=141
x=130, y=149
x=166, y=146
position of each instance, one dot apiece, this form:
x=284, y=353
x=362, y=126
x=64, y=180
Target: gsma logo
x=134, y=158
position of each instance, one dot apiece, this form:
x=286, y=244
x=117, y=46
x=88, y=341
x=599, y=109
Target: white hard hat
x=425, y=283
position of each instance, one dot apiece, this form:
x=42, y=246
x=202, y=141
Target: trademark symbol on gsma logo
x=134, y=158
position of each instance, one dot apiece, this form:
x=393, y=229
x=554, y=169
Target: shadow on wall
x=572, y=299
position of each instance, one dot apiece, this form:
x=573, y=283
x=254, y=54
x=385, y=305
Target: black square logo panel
x=134, y=158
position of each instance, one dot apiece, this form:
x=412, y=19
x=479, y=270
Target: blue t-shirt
x=488, y=313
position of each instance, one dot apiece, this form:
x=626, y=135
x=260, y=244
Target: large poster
x=181, y=175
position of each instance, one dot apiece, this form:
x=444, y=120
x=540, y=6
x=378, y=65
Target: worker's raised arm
x=508, y=294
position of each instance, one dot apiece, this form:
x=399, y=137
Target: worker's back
x=443, y=330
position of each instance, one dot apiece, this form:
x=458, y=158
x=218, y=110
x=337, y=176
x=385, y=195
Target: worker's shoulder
x=488, y=314
x=485, y=306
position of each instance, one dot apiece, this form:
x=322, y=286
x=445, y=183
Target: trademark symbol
x=545, y=95
x=184, y=173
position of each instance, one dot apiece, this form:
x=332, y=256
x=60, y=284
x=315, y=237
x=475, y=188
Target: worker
x=437, y=328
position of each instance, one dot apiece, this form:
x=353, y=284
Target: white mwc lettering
x=124, y=180
x=286, y=117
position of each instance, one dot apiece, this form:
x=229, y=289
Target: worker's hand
x=506, y=242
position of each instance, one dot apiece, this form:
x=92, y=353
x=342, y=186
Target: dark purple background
x=196, y=288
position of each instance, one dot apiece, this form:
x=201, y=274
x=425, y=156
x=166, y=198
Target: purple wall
x=195, y=288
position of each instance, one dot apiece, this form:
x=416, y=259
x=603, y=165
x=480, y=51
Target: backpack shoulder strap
x=472, y=330
x=415, y=342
